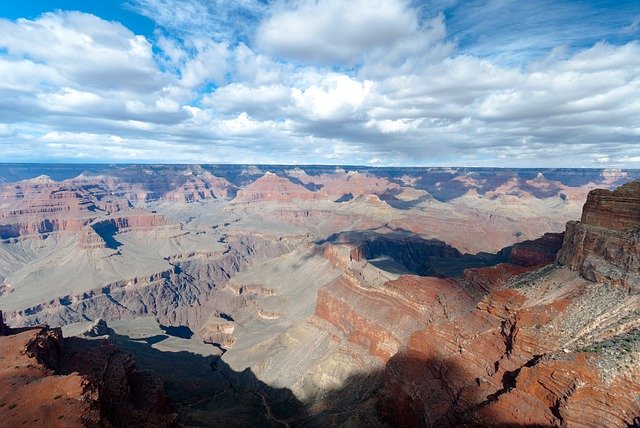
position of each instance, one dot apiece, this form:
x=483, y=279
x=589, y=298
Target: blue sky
x=376, y=82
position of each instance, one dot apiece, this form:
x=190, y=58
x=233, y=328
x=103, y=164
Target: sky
x=512, y=83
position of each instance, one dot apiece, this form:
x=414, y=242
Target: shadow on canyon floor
x=205, y=391
x=404, y=252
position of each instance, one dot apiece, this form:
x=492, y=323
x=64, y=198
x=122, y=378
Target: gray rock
x=99, y=328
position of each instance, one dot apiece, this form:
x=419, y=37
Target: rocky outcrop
x=98, y=328
x=507, y=363
x=89, y=238
x=541, y=251
x=271, y=187
x=546, y=347
x=201, y=187
x=613, y=210
x=605, y=245
x=184, y=294
x=48, y=380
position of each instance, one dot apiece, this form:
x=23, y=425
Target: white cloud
x=333, y=30
x=7, y=130
x=75, y=85
x=85, y=49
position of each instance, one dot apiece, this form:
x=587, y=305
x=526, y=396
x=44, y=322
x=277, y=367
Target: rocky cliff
x=548, y=347
x=605, y=245
x=46, y=379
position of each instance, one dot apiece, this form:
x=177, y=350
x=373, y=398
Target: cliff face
x=541, y=251
x=542, y=346
x=46, y=379
x=605, y=245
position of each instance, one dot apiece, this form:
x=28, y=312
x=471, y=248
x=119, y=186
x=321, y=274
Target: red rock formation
x=271, y=187
x=133, y=220
x=617, y=210
x=333, y=186
x=202, y=187
x=541, y=251
x=48, y=380
x=43, y=207
x=504, y=364
x=602, y=253
x=381, y=318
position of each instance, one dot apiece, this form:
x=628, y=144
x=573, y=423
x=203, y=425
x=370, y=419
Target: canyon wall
x=547, y=348
x=605, y=245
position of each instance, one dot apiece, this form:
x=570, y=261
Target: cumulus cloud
x=380, y=82
x=335, y=31
x=84, y=49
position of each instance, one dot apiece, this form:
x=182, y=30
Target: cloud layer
x=360, y=82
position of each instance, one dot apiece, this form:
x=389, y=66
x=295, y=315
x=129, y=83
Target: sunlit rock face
x=604, y=246
x=555, y=346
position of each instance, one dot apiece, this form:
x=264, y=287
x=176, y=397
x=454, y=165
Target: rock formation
x=541, y=251
x=311, y=286
x=48, y=380
x=271, y=187
x=605, y=245
x=98, y=328
x=547, y=348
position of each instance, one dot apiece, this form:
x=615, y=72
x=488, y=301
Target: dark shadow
x=390, y=198
x=117, y=392
x=107, y=230
x=345, y=198
x=181, y=331
x=309, y=186
x=438, y=392
x=403, y=252
x=206, y=391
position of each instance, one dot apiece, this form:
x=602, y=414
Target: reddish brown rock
x=272, y=187
x=541, y=251
x=379, y=319
x=201, y=187
x=48, y=380
x=605, y=246
x=506, y=362
x=613, y=210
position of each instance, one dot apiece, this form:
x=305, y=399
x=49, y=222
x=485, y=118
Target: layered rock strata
x=605, y=245
x=546, y=348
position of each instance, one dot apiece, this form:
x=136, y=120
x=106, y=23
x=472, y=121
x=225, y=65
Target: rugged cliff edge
x=46, y=379
x=556, y=346
x=605, y=245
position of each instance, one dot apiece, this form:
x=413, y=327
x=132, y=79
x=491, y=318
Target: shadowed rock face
x=46, y=379
x=605, y=245
x=541, y=251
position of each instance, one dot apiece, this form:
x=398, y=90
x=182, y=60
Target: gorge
x=321, y=296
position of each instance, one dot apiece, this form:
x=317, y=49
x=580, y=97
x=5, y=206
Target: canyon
x=321, y=295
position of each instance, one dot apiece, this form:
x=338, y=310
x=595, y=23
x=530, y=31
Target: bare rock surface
x=605, y=245
x=547, y=348
x=48, y=380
